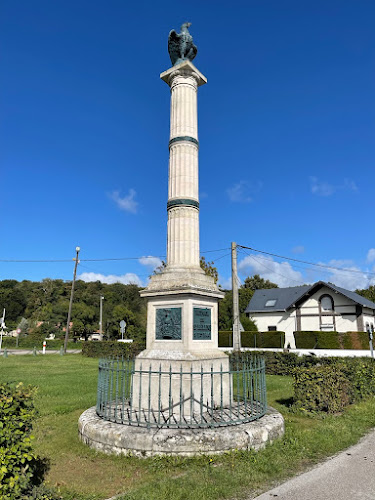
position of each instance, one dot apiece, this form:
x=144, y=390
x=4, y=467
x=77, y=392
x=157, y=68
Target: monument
x=182, y=301
x=182, y=394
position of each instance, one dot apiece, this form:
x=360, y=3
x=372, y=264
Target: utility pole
x=101, y=318
x=2, y=326
x=71, y=301
x=236, y=309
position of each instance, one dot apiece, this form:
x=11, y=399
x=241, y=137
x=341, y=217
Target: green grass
x=67, y=386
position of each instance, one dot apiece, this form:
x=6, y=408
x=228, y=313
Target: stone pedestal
x=182, y=307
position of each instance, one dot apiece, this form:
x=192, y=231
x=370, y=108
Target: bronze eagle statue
x=181, y=46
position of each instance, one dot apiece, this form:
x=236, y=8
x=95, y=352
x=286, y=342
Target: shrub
x=20, y=468
x=331, y=340
x=108, y=348
x=225, y=339
x=29, y=342
x=322, y=388
x=361, y=374
x=266, y=340
x=355, y=340
x=263, y=340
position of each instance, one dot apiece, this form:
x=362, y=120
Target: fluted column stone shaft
x=183, y=196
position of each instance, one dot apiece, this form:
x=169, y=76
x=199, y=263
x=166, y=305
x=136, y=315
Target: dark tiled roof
x=287, y=297
x=354, y=296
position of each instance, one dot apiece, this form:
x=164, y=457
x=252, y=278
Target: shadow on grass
x=288, y=402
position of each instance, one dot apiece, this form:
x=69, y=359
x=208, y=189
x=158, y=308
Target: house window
x=272, y=329
x=327, y=327
x=326, y=303
x=270, y=303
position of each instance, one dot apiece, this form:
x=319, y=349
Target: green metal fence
x=130, y=393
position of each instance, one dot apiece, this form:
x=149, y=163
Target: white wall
x=368, y=317
x=309, y=321
x=284, y=322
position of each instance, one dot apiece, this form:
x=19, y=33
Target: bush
x=329, y=384
x=355, y=340
x=262, y=340
x=42, y=493
x=225, y=339
x=322, y=388
x=29, y=342
x=20, y=468
x=108, y=348
x=331, y=340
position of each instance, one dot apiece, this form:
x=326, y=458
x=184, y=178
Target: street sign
x=122, y=326
x=18, y=330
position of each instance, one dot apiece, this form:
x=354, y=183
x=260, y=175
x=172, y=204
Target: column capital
x=187, y=69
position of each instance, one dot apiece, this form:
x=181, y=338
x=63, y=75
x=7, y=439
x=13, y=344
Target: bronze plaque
x=168, y=324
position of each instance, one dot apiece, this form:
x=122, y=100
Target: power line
x=288, y=278
x=39, y=260
x=307, y=262
x=218, y=250
x=98, y=260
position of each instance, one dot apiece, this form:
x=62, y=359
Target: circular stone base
x=109, y=437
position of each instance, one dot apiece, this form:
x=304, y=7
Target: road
x=349, y=475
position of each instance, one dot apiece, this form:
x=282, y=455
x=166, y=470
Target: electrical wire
x=99, y=260
x=272, y=270
x=307, y=262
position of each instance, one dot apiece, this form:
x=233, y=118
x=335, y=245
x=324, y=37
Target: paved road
x=347, y=476
x=20, y=352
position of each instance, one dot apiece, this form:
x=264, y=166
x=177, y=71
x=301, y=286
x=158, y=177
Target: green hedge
x=109, y=348
x=322, y=384
x=331, y=340
x=20, y=468
x=332, y=387
x=31, y=342
x=355, y=340
x=225, y=339
x=262, y=340
x=322, y=388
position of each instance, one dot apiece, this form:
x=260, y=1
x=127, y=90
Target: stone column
x=182, y=301
x=183, y=197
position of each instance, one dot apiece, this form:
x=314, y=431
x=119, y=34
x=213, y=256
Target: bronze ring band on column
x=185, y=202
x=183, y=138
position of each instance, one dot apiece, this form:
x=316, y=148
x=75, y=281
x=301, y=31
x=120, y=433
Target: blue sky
x=286, y=128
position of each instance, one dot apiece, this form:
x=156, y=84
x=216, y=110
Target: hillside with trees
x=40, y=308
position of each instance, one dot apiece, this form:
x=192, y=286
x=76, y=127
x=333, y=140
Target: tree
x=368, y=293
x=257, y=283
x=13, y=299
x=209, y=269
x=245, y=293
x=23, y=325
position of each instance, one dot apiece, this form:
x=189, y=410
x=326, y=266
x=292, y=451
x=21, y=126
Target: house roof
x=282, y=299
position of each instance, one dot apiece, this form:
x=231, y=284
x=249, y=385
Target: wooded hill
x=44, y=305
x=41, y=308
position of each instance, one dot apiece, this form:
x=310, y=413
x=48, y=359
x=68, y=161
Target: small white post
x=236, y=310
x=44, y=346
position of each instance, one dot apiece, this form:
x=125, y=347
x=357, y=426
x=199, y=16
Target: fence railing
x=131, y=393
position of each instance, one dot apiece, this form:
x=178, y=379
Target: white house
x=321, y=306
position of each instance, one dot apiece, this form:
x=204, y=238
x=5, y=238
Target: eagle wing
x=192, y=52
x=174, y=46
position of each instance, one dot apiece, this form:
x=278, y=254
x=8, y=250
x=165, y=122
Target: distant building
x=321, y=306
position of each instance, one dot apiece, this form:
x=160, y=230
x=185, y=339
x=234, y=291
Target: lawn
x=67, y=386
